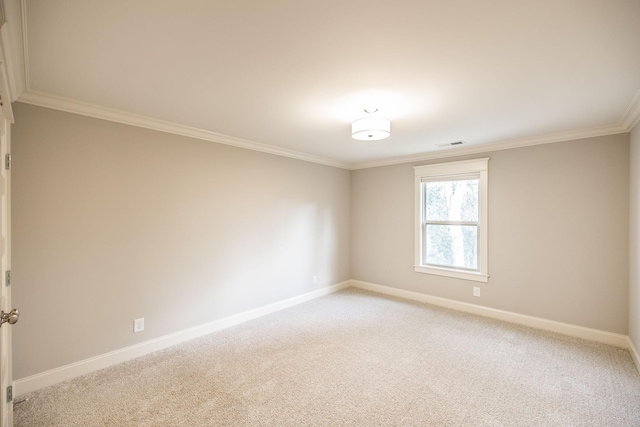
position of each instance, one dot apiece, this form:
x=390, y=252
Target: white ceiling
x=289, y=76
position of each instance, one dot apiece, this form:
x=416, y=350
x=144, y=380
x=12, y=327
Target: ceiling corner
x=13, y=44
x=632, y=115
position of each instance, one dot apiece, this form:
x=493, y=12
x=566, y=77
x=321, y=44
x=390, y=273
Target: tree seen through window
x=451, y=223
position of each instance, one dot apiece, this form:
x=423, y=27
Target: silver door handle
x=10, y=317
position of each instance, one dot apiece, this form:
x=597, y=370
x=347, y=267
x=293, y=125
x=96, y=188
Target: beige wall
x=112, y=223
x=634, y=240
x=558, y=232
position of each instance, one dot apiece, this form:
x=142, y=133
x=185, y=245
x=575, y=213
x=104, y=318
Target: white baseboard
x=634, y=354
x=67, y=372
x=596, y=335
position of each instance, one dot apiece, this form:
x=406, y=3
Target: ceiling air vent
x=451, y=144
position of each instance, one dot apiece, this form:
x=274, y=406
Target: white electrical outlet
x=138, y=325
x=315, y=279
x=476, y=291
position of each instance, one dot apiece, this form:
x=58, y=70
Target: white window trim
x=442, y=170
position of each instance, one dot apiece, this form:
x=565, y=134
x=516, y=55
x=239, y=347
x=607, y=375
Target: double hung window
x=451, y=219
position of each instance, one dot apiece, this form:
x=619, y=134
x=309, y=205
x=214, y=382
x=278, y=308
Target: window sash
x=450, y=178
x=424, y=253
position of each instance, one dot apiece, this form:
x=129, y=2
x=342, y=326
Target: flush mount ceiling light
x=370, y=128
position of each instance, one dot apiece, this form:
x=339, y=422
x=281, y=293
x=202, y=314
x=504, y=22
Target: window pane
x=451, y=246
x=452, y=200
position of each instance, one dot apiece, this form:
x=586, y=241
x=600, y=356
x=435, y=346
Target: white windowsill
x=456, y=274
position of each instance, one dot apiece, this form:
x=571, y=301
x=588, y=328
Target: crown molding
x=118, y=116
x=496, y=146
x=632, y=116
x=91, y=110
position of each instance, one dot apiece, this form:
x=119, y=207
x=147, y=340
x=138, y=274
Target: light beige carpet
x=356, y=359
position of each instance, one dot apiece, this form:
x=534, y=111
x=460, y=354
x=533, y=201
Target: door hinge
x=7, y=276
x=9, y=394
x=7, y=161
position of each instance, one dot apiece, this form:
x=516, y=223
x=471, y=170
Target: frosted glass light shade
x=370, y=129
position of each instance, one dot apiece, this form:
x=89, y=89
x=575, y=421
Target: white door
x=8, y=317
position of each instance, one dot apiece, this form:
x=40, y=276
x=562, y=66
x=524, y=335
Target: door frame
x=6, y=119
x=6, y=372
